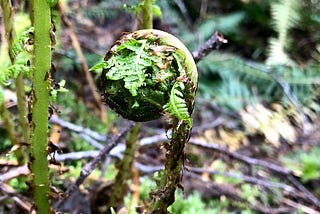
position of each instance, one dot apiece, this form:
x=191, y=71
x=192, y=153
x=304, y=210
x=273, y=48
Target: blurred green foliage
x=304, y=163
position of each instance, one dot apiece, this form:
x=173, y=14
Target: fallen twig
x=218, y=189
x=78, y=129
x=243, y=158
x=89, y=167
x=16, y=172
x=301, y=207
x=309, y=194
x=249, y=179
x=267, y=165
x=117, y=150
x=20, y=201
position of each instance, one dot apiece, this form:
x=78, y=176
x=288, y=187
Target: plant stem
x=147, y=15
x=10, y=35
x=41, y=63
x=8, y=124
x=120, y=187
x=83, y=63
x=8, y=25
x=19, y=82
x=170, y=177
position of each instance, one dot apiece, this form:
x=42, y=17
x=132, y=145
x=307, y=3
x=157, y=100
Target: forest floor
x=258, y=159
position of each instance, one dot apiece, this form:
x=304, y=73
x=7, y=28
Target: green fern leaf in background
x=240, y=82
x=285, y=15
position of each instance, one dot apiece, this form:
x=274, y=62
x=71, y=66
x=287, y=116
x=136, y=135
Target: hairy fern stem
x=170, y=177
x=40, y=101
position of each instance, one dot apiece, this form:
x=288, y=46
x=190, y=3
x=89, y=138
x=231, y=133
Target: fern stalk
x=170, y=177
x=147, y=16
x=120, y=187
x=10, y=35
x=40, y=99
x=21, y=100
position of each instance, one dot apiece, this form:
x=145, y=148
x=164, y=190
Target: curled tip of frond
x=147, y=74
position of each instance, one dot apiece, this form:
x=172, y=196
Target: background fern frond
x=21, y=50
x=285, y=15
x=235, y=82
x=277, y=54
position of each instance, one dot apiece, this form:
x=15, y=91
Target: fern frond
x=285, y=15
x=177, y=106
x=132, y=68
x=276, y=53
x=103, y=10
x=21, y=49
x=239, y=82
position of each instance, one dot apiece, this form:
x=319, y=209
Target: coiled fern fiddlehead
x=148, y=74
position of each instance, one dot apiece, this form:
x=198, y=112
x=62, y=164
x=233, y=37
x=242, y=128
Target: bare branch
x=78, y=129
x=249, y=179
x=83, y=64
x=243, y=158
x=89, y=167
x=214, y=42
x=267, y=165
x=184, y=11
x=16, y=172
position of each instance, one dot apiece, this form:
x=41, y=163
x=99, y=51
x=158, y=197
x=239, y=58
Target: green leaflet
x=177, y=106
x=21, y=49
x=130, y=63
x=23, y=42
x=99, y=66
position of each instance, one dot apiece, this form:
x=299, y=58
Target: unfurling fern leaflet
x=177, y=106
x=139, y=72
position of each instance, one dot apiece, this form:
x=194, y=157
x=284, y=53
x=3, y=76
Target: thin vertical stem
x=83, y=64
x=22, y=109
x=120, y=188
x=10, y=35
x=170, y=177
x=41, y=63
x=147, y=15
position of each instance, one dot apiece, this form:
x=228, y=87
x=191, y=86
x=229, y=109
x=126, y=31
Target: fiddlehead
x=141, y=72
x=148, y=74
